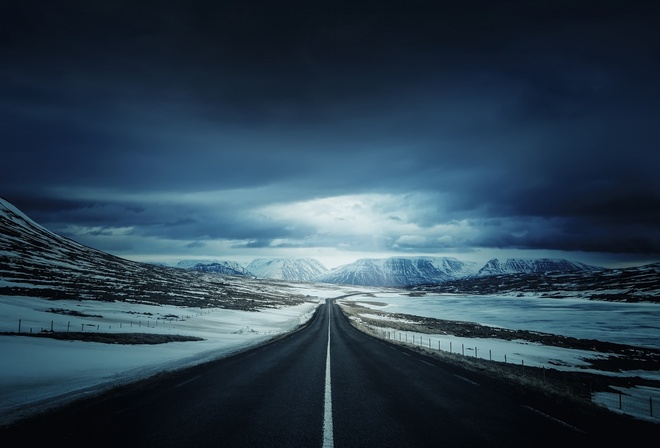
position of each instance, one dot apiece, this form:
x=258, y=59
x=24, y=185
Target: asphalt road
x=322, y=386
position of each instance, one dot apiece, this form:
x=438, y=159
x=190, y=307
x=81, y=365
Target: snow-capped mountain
x=35, y=262
x=497, y=266
x=633, y=284
x=225, y=267
x=399, y=271
x=292, y=269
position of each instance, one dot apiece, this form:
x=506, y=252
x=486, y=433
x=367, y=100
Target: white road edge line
x=328, y=438
x=187, y=381
x=467, y=380
x=550, y=417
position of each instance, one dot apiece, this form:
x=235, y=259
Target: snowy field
x=41, y=372
x=636, y=324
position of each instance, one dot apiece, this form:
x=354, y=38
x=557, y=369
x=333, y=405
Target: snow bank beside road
x=41, y=372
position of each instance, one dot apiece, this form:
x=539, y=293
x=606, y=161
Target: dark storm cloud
x=539, y=116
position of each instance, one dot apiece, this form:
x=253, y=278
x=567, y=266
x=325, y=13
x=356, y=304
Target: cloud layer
x=430, y=127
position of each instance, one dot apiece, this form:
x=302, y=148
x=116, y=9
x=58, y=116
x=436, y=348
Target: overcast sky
x=163, y=130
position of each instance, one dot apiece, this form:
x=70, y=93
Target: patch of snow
x=642, y=402
x=37, y=369
x=636, y=324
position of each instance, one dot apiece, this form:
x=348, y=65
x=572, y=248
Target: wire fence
x=636, y=403
x=641, y=403
x=92, y=323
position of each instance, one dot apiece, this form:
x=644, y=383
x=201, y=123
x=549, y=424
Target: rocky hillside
x=634, y=284
x=35, y=262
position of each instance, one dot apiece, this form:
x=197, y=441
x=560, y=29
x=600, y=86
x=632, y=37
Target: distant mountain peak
x=399, y=271
x=225, y=267
x=293, y=269
x=499, y=266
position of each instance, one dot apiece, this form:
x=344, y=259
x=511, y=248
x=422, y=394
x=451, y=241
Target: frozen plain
x=635, y=324
x=36, y=373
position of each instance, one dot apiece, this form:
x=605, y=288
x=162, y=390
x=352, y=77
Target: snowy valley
x=120, y=320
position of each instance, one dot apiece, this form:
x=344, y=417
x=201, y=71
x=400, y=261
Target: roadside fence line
x=620, y=401
x=60, y=326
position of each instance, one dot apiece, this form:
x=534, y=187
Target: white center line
x=328, y=440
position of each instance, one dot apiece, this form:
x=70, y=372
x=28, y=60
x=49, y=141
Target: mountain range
x=398, y=271
x=294, y=269
x=218, y=266
x=386, y=272
x=410, y=271
x=290, y=269
x=632, y=284
x=497, y=266
x=39, y=263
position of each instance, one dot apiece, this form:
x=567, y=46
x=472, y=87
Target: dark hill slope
x=635, y=284
x=36, y=262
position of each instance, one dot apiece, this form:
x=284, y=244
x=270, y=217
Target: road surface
x=326, y=385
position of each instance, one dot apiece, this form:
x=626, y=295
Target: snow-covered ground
x=39, y=372
x=636, y=324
